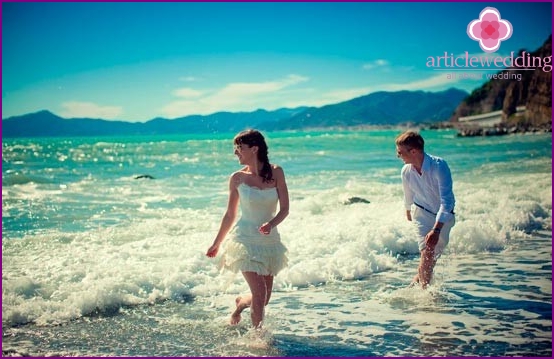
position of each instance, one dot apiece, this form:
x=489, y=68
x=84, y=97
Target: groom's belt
x=426, y=210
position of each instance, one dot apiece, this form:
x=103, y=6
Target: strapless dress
x=246, y=249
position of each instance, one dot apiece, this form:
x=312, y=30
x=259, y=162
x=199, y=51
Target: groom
x=427, y=185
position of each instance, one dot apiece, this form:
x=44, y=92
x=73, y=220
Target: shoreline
x=500, y=131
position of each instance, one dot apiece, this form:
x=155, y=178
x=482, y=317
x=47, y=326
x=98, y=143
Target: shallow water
x=97, y=263
x=489, y=304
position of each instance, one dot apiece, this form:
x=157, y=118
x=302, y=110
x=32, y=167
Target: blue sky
x=138, y=61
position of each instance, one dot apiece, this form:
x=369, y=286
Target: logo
x=490, y=30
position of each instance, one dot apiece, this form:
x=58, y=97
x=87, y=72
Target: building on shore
x=485, y=124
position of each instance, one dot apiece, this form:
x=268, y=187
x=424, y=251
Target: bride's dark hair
x=255, y=138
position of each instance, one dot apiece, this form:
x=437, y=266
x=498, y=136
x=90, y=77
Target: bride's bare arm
x=229, y=217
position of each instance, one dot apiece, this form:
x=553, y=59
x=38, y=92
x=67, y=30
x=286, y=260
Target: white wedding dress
x=246, y=249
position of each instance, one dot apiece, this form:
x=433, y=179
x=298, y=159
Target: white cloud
x=239, y=96
x=189, y=79
x=73, y=109
x=348, y=94
x=443, y=80
x=435, y=81
x=270, y=95
x=241, y=89
x=374, y=64
x=328, y=98
x=187, y=92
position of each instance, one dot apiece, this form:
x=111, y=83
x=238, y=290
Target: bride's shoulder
x=278, y=171
x=237, y=177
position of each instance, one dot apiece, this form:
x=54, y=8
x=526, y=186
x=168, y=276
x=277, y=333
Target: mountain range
x=379, y=108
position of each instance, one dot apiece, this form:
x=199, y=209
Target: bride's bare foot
x=241, y=305
x=415, y=281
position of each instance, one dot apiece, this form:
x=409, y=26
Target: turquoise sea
x=98, y=262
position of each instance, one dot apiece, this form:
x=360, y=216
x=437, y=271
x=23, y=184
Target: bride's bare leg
x=258, y=289
x=242, y=303
x=415, y=281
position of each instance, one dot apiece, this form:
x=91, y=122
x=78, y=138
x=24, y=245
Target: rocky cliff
x=532, y=89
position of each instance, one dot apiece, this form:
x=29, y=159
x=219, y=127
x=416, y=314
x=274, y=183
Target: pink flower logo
x=490, y=30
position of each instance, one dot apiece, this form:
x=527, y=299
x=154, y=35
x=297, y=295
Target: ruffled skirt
x=263, y=256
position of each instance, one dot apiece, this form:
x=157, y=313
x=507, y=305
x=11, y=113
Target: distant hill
x=217, y=122
x=47, y=124
x=380, y=108
x=534, y=91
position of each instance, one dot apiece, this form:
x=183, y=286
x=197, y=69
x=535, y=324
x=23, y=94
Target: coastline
x=473, y=131
x=500, y=130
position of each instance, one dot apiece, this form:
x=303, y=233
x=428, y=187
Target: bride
x=254, y=245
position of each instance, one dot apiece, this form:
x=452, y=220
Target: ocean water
x=98, y=262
